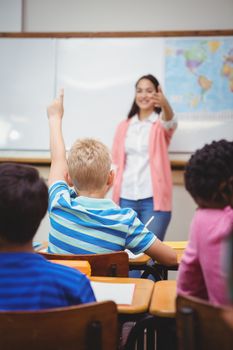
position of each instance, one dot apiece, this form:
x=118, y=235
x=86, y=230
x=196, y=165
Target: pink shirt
x=161, y=178
x=201, y=271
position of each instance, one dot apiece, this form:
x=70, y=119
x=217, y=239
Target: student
x=209, y=180
x=140, y=153
x=27, y=280
x=83, y=221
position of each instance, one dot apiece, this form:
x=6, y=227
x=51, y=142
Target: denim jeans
x=144, y=209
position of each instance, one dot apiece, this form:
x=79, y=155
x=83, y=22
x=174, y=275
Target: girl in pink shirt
x=209, y=180
x=140, y=153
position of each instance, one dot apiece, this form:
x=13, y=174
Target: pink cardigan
x=159, y=163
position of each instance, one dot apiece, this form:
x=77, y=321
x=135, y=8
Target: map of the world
x=199, y=75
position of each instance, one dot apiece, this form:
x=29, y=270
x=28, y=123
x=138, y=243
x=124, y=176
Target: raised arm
x=58, y=169
x=162, y=253
x=161, y=101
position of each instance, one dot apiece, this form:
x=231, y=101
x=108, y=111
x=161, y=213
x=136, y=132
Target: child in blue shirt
x=83, y=221
x=27, y=280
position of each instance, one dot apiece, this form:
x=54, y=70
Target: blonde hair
x=89, y=164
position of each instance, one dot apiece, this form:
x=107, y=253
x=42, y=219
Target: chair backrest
x=111, y=264
x=92, y=326
x=200, y=326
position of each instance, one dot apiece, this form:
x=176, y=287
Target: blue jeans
x=144, y=209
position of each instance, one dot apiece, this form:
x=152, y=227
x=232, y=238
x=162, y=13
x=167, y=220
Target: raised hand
x=56, y=109
x=159, y=98
x=58, y=169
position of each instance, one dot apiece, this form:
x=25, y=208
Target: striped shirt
x=30, y=282
x=83, y=225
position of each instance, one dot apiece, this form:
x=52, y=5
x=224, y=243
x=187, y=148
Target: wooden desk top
x=176, y=244
x=163, y=299
x=142, y=293
x=81, y=265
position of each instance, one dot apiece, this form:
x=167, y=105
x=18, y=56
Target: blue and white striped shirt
x=30, y=282
x=83, y=225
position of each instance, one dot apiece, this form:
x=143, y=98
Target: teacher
x=143, y=178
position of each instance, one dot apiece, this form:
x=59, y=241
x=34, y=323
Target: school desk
x=158, y=271
x=141, y=297
x=161, y=270
x=162, y=307
x=139, y=260
x=137, y=311
x=177, y=245
x=163, y=299
x=137, y=263
x=81, y=265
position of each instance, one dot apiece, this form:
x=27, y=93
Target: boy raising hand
x=83, y=221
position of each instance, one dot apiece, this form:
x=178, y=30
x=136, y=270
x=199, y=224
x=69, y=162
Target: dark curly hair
x=209, y=174
x=23, y=202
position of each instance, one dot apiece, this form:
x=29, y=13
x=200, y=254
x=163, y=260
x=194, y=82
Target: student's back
x=83, y=221
x=27, y=280
x=30, y=282
x=209, y=179
x=84, y=225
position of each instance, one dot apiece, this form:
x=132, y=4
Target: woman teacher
x=143, y=178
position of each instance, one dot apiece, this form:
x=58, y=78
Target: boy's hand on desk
x=56, y=109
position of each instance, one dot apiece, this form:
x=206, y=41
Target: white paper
x=132, y=255
x=120, y=293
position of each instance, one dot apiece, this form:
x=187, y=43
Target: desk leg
x=165, y=333
x=158, y=272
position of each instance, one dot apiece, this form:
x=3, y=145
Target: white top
x=136, y=183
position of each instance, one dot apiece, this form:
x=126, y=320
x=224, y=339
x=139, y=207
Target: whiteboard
x=27, y=71
x=98, y=76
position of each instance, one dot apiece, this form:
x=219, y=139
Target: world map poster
x=199, y=77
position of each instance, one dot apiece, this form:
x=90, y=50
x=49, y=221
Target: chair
x=141, y=334
x=90, y=326
x=111, y=264
x=200, y=326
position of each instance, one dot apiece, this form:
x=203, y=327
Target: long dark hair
x=135, y=109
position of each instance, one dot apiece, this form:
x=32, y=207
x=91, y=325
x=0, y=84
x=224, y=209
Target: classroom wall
x=121, y=15
x=10, y=15
x=126, y=15
x=111, y=15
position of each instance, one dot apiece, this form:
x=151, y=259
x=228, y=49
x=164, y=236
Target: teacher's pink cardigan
x=159, y=141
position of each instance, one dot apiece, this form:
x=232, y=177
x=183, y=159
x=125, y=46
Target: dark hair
x=134, y=109
x=23, y=202
x=209, y=174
